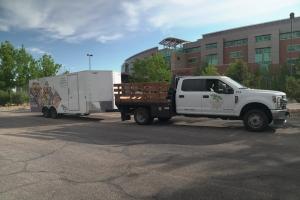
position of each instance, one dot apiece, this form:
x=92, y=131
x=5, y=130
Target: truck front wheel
x=256, y=120
x=142, y=116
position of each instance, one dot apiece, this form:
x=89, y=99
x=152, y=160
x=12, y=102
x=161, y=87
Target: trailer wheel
x=142, y=116
x=53, y=113
x=256, y=120
x=46, y=112
x=164, y=119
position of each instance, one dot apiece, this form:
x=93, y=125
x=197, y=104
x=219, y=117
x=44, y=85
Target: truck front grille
x=283, y=103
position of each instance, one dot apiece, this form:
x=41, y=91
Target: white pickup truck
x=202, y=96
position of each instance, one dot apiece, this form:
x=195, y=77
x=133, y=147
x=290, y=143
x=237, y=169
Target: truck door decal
x=216, y=101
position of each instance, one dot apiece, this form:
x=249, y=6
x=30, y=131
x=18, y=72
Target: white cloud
x=103, y=21
x=188, y=13
x=3, y=27
x=72, y=21
x=105, y=38
x=36, y=50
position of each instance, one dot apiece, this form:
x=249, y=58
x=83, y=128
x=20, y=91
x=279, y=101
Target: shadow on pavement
x=128, y=133
x=248, y=166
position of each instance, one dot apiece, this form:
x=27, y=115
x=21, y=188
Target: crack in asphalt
x=108, y=180
x=25, y=170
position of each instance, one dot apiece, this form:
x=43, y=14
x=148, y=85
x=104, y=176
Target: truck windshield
x=236, y=84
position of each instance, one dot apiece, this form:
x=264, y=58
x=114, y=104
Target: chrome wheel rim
x=140, y=117
x=255, y=120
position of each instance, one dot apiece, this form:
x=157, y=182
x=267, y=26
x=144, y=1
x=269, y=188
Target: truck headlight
x=277, y=101
x=274, y=99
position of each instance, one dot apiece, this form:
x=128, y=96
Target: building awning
x=172, y=42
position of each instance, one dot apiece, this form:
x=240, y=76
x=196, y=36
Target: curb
x=294, y=113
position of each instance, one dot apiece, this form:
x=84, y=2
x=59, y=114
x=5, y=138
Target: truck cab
x=222, y=97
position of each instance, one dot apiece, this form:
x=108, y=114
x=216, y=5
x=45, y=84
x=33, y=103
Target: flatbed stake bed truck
x=201, y=96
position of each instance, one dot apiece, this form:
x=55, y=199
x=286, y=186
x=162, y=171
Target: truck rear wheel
x=142, y=116
x=256, y=120
x=53, y=113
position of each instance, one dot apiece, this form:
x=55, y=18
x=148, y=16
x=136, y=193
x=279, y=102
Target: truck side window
x=212, y=85
x=215, y=85
x=193, y=85
x=223, y=88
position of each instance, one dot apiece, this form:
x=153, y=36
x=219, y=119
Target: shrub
x=293, y=88
x=239, y=72
x=19, y=98
x=4, y=97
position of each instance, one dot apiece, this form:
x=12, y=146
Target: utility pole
x=292, y=17
x=89, y=55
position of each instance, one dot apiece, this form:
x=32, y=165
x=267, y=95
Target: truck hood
x=266, y=92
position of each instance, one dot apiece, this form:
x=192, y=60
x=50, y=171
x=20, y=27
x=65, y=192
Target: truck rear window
x=193, y=85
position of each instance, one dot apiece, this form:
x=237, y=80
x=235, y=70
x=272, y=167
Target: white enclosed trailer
x=82, y=92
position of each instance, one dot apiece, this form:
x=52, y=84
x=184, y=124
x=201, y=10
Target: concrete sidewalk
x=294, y=109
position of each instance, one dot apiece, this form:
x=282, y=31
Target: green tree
x=26, y=68
x=151, y=69
x=239, y=72
x=66, y=72
x=297, y=68
x=47, y=66
x=198, y=71
x=7, y=66
x=210, y=70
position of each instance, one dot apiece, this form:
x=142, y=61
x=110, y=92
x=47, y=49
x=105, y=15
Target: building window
x=194, y=49
x=235, y=55
x=211, y=46
x=212, y=59
x=236, y=43
x=294, y=47
x=286, y=36
x=263, y=56
x=126, y=68
x=292, y=61
x=262, y=38
x=192, y=60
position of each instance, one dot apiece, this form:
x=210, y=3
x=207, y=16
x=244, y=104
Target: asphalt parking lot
x=103, y=158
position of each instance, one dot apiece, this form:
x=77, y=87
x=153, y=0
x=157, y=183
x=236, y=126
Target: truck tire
x=46, y=112
x=255, y=120
x=164, y=119
x=53, y=113
x=142, y=116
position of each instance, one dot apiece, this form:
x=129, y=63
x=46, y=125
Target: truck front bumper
x=279, y=116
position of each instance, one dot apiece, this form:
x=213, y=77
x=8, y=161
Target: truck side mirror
x=229, y=91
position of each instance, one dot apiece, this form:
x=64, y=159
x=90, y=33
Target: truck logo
x=216, y=101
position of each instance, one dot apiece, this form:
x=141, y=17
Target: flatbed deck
x=134, y=93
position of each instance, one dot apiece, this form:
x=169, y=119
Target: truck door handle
x=205, y=96
x=181, y=96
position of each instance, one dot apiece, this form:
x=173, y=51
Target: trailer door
x=73, y=92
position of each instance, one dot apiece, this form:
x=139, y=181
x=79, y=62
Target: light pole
x=292, y=17
x=89, y=55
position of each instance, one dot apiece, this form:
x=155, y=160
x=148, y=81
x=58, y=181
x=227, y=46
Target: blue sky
x=113, y=30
